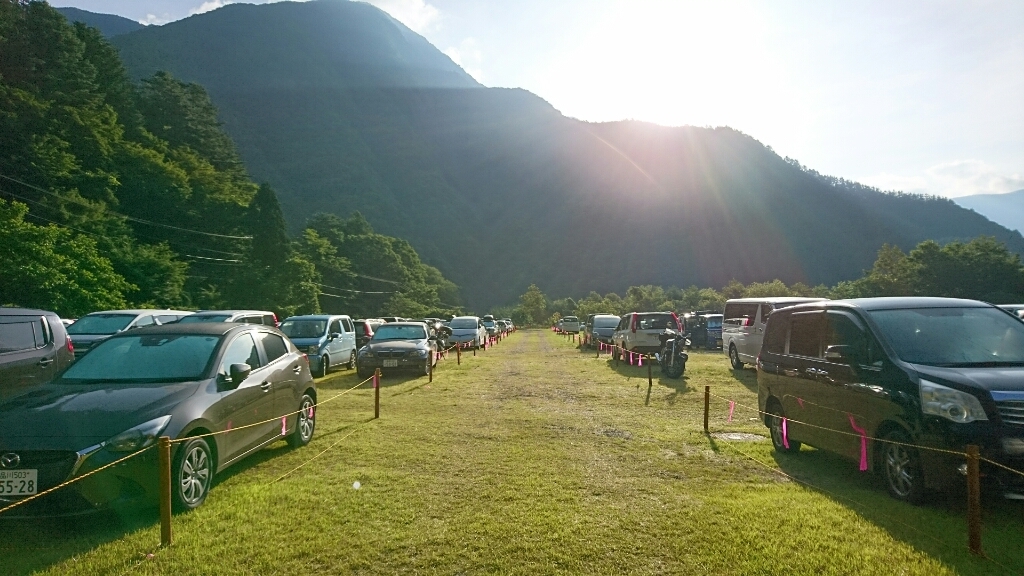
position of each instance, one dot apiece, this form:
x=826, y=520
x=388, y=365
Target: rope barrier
x=313, y=458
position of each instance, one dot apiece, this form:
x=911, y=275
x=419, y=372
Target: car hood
x=397, y=345
x=71, y=417
x=1008, y=379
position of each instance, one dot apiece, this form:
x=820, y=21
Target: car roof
x=898, y=302
x=140, y=311
x=199, y=328
x=231, y=312
x=473, y=317
x=406, y=324
x=315, y=317
x=775, y=300
x=5, y=311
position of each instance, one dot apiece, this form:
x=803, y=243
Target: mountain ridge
x=109, y=25
x=1003, y=209
x=500, y=190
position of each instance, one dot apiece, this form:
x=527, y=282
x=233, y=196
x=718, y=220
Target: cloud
x=951, y=179
x=209, y=6
x=416, y=14
x=468, y=55
x=154, y=20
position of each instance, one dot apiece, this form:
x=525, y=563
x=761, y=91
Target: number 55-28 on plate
x=18, y=482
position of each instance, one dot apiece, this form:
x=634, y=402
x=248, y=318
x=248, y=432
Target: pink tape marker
x=639, y=360
x=284, y=425
x=785, y=434
x=800, y=401
x=732, y=407
x=310, y=413
x=863, y=443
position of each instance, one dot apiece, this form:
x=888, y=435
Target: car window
x=17, y=336
x=100, y=324
x=775, y=336
x=144, y=321
x=655, y=322
x=841, y=330
x=336, y=327
x=805, y=335
x=766, y=311
x=740, y=314
x=273, y=345
x=293, y=328
x=167, y=318
x=241, y=350
x=194, y=318
x=347, y=323
x=268, y=320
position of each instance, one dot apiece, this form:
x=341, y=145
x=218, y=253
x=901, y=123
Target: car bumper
x=416, y=363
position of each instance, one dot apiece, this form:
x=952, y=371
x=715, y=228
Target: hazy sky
x=920, y=96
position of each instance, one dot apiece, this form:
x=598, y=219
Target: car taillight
x=748, y=321
x=71, y=347
x=366, y=331
x=277, y=324
x=632, y=324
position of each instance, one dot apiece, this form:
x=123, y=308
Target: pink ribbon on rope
x=785, y=434
x=639, y=360
x=732, y=407
x=863, y=442
x=800, y=401
x=284, y=425
x=310, y=413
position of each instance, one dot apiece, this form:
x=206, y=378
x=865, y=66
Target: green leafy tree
x=534, y=305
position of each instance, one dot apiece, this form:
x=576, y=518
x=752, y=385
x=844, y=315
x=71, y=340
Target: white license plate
x=19, y=482
x=391, y=363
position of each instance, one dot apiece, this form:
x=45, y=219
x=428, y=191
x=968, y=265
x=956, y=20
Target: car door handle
x=265, y=386
x=45, y=362
x=297, y=369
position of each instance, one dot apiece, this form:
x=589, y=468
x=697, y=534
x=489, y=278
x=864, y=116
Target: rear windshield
x=392, y=332
x=204, y=318
x=606, y=322
x=655, y=322
x=145, y=359
x=953, y=337
x=101, y=323
x=714, y=322
x=304, y=328
x=570, y=319
x=463, y=323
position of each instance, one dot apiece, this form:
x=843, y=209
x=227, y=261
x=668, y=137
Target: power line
x=129, y=218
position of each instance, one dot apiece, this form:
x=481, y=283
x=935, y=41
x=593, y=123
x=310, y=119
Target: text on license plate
x=19, y=482
x=391, y=363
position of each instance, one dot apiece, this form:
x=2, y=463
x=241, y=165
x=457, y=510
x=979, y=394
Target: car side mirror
x=841, y=354
x=334, y=335
x=239, y=372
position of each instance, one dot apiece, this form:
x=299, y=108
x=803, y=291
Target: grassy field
x=535, y=457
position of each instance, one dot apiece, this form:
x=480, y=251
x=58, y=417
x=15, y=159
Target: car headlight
x=139, y=437
x=365, y=352
x=423, y=353
x=313, y=349
x=951, y=404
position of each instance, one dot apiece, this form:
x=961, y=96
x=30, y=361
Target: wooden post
x=598, y=348
x=707, y=404
x=973, y=500
x=165, y=490
x=376, y=393
x=474, y=347
x=615, y=355
x=650, y=379
x=430, y=370
x=458, y=354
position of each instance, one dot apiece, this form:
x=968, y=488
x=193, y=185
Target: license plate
x=19, y=482
x=718, y=342
x=391, y=363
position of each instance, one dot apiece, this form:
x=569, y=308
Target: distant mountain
x=1004, y=209
x=342, y=108
x=108, y=24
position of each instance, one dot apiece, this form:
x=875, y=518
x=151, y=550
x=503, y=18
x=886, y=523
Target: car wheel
x=325, y=366
x=734, y=358
x=352, y=360
x=305, y=424
x=192, y=475
x=674, y=371
x=363, y=373
x=775, y=416
x=901, y=468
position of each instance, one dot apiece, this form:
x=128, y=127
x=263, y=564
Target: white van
x=743, y=325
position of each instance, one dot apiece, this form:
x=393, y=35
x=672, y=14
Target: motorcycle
x=672, y=357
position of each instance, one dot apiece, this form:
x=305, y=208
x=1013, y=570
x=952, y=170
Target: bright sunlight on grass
x=535, y=457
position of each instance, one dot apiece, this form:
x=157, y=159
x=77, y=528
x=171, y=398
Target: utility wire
x=125, y=216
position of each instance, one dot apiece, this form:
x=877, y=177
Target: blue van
x=328, y=340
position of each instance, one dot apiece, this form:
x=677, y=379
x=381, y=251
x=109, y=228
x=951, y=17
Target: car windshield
x=606, y=322
x=400, y=332
x=304, y=328
x=488, y=323
x=953, y=337
x=463, y=323
x=101, y=323
x=193, y=318
x=714, y=321
x=145, y=359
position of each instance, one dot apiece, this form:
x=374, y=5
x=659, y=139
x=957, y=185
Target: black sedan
x=398, y=345
x=243, y=381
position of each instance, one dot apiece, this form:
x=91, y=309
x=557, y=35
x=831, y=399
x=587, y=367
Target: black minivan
x=34, y=347
x=846, y=375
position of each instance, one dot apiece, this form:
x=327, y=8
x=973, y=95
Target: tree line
x=981, y=269
x=116, y=194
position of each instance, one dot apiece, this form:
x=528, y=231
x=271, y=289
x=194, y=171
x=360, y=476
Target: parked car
x=938, y=373
x=705, y=330
x=177, y=380
x=388, y=319
x=743, y=325
x=398, y=346
x=490, y=325
x=364, y=330
x=602, y=328
x=241, y=316
x=34, y=347
x=639, y=331
x=93, y=328
x=327, y=340
x=467, y=330
x=571, y=324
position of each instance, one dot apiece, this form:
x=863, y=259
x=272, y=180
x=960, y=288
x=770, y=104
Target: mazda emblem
x=10, y=460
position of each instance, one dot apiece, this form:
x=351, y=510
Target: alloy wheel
x=194, y=478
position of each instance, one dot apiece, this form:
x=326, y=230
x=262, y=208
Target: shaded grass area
x=535, y=457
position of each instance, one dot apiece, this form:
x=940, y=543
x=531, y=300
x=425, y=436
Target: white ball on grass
x=356, y=485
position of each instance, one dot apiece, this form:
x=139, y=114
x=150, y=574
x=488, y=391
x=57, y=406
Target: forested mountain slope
x=342, y=108
x=108, y=24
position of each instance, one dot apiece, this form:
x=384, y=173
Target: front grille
x=54, y=466
x=389, y=354
x=1011, y=412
